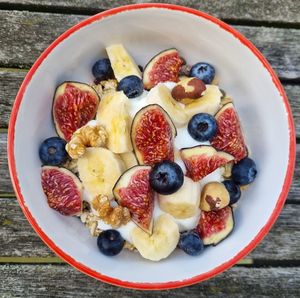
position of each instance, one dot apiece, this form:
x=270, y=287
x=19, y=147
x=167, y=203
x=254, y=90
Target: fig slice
x=74, y=105
x=203, y=160
x=133, y=191
x=152, y=135
x=215, y=226
x=164, y=67
x=62, y=189
x=229, y=137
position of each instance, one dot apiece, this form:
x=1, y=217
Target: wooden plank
x=18, y=240
x=20, y=48
x=11, y=79
x=10, y=82
x=64, y=281
x=267, y=10
x=6, y=187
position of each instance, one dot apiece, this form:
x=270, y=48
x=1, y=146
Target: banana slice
x=129, y=159
x=161, y=95
x=113, y=115
x=209, y=103
x=99, y=169
x=184, y=203
x=121, y=62
x=161, y=243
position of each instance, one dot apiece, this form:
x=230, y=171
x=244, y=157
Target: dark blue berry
x=234, y=191
x=52, y=151
x=102, y=70
x=132, y=86
x=203, y=71
x=191, y=243
x=244, y=172
x=166, y=177
x=202, y=127
x=110, y=242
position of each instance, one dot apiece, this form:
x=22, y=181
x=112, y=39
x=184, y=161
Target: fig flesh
x=74, y=105
x=229, y=137
x=203, y=160
x=62, y=189
x=215, y=226
x=152, y=135
x=133, y=191
x=164, y=67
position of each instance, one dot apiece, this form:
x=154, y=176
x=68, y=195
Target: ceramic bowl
x=146, y=29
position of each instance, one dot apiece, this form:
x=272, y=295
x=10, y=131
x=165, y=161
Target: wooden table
x=28, y=268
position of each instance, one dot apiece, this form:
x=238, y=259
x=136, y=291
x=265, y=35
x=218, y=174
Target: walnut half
x=86, y=136
x=114, y=216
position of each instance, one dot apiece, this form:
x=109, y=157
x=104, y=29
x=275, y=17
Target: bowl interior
x=145, y=32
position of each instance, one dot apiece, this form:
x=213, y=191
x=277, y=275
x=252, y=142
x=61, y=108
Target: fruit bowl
x=146, y=29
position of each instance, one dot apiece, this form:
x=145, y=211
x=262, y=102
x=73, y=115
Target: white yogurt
x=182, y=140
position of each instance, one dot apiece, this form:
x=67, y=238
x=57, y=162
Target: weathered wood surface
x=38, y=30
x=6, y=187
x=27, y=27
x=64, y=281
x=278, y=11
x=18, y=239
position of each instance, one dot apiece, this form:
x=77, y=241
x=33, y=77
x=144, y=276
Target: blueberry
x=234, y=191
x=166, y=177
x=132, y=86
x=110, y=242
x=202, y=127
x=244, y=172
x=191, y=243
x=203, y=71
x=52, y=151
x=102, y=69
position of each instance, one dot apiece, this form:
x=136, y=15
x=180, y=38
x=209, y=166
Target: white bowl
x=146, y=29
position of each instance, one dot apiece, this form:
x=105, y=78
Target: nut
x=71, y=164
x=86, y=136
x=188, y=90
x=214, y=196
x=91, y=222
x=227, y=170
x=114, y=216
x=185, y=70
x=105, y=86
x=129, y=246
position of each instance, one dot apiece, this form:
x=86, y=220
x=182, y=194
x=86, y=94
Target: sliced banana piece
x=113, y=115
x=184, y=203
x=161, y=243
x=129, y=159
x=99, y=169
x=161, y=95
x=209, y=103
x=122, y=63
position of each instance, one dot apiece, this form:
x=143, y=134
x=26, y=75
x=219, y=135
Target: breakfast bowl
x=146, y=29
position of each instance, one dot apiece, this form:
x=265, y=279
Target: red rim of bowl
x=171, y=284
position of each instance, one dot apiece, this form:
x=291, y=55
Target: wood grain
x=277, y=44
x=266, y=10
x=64, y=281
x=18, y=239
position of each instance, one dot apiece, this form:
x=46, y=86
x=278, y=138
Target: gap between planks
x=249, y=262
x=86, y=11
x=57, y=260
